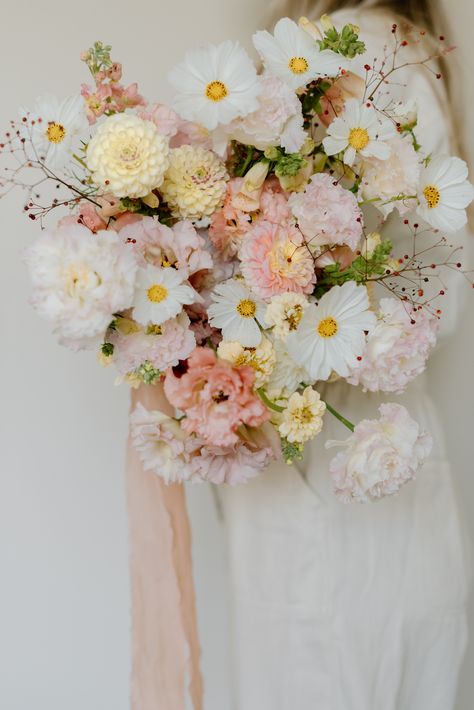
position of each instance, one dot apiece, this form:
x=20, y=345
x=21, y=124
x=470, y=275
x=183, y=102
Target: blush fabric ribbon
x=165, y=644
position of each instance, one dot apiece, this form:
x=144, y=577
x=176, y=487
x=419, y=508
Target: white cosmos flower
x=57, y=125
x=331, y=333
x=444, y=193
x=359, y=130
x=215, y=84
x=291, y=54
x=160, y=294
x=235, y=311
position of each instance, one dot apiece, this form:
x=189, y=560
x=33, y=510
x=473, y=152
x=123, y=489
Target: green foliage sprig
x=346, y=42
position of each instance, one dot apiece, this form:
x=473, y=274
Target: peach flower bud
x=310, y=28
x=248, y=197
x=371, y=242
x=348, y=86
x=151, y=200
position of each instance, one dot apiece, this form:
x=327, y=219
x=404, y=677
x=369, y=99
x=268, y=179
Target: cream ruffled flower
x=262, y=358
x=284, y=313
x=195, y=183
x=128, y=156
x=303, y=416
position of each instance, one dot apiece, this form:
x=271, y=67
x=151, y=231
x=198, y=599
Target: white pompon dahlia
x=291, y=54
x=302, y=418
x=195, y=183
x=80, y=280
x=128, y=156
x=380, y=456
x=215, y=84
x=444, y=192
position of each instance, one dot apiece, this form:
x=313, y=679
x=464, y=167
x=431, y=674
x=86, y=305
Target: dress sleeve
x=434, y=130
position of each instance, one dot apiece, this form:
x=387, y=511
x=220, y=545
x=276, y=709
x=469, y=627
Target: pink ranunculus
x=380, y=456
x=216, y=397
x=179, y=246
x=397, y=348
x=274, y=202
x=347, y=86
x=327, y=213
x=275, y=259
x=229, y=224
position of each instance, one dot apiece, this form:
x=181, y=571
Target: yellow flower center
x=432, y=196
x=303, y=415
x=298, y=65
x=328, y=327
x=154, y=330
x=55, y=132
x=157, y=293
x=294, y=317
x=246, y=308
x=216, y=91
x=358, y=138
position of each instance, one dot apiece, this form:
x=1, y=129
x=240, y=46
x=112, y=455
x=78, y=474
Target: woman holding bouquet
x=353, y=607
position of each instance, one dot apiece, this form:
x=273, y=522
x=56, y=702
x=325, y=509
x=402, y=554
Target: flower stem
x=268, y=402
x=342, y=419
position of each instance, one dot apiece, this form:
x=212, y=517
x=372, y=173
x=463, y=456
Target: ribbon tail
x=165, y=643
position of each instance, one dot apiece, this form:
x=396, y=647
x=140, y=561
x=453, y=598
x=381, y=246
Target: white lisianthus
x=195, y=183
x=396, y=177
x=160, y=294
x=284, y=313
x=56, y=127
x=80, y=280
x=128, y=156
x=215, y=84
x=261, y=358
x=359, y=131
x=444, y=192
x=331, y=334
x=380, y=456
x=161, y=444
x=302, y=418
x=292, y=55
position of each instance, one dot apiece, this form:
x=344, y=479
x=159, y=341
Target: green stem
x=342, y=419
x=268, y=402
x=243, y=169
x=79, y=160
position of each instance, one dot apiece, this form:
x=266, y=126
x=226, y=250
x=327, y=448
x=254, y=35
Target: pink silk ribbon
x=165, y=643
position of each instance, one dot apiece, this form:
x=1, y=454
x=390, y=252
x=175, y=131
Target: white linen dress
x=352, y=607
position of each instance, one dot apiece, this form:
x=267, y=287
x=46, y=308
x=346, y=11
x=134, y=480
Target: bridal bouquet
x=220, y=247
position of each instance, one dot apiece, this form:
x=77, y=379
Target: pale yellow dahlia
x=261, y=358
x=195, y=183
x=128, y=156
x=303, y=416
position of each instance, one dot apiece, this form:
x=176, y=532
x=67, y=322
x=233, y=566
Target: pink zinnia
x=216, y=397
x=275, y=259
x=327, y=213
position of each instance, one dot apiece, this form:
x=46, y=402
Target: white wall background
x=64, y=592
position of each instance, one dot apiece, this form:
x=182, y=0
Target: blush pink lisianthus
x=216, y=397
x=275, y=259
x=171, y=125
x=229, y=224
x=179, y=246
x=327, y=214
x=274, y=202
